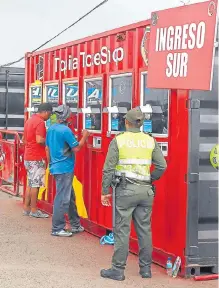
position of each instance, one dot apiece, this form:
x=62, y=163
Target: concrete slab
x=31, y=258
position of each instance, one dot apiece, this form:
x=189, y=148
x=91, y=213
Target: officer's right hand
x=85, y=133
x=105, y=200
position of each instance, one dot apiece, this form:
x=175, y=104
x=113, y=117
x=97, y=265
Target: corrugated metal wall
x=12, y=98
x=203, y=187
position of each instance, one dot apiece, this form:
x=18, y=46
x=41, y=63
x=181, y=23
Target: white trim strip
x=30, y=109
x=206, y=147
x=213, y=119
x=13, y=128
x=211, y=176
x=134, y=162
x=213, y=234
x=11, y=90
x=12, y=116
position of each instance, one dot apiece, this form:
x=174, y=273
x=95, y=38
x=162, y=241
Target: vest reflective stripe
x=134, y=161
x=133, y=175
x=135, y=155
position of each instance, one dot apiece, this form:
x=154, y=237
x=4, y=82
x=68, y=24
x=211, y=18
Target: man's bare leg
x=27, y=200
x=34, y=197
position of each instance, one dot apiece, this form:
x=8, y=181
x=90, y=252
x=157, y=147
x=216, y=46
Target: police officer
x=131, y=153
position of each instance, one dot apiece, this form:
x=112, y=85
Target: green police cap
x=134, y=116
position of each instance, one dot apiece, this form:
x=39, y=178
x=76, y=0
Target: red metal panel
x=10, y=163
x=169, y=214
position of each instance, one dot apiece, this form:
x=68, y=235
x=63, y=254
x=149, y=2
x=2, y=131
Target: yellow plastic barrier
x=78, y=188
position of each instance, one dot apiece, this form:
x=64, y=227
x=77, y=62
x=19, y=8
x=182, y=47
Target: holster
x=153, y=187
x=123, y=181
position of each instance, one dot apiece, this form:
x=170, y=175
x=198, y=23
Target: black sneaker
x=112, y=274
x=146, y=274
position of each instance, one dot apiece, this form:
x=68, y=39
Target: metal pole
x=114, y=207
x=6, y=102
x=115, y=182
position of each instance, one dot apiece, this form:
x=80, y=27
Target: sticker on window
x=88, y=122
x=52, y=93
x=36, y=94
x=71, y=93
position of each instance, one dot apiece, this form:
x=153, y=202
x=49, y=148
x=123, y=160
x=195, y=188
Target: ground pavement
x=31, y=258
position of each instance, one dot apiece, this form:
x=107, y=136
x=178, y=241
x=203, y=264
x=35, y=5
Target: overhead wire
x=57, y=35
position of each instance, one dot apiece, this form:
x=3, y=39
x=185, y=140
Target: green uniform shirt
x=112, y=160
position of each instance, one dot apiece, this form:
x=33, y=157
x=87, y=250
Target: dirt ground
x=31, y=258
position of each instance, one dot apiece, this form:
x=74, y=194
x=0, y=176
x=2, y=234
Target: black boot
x=146, y=273
x=112, y=274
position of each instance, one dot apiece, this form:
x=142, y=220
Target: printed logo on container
x=145, y=45
x=214, y=157
x=181, y=47
x=39, y=68
x=88, y=60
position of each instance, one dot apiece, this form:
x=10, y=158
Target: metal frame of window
x=30, y=95
x=73, y=81
x=168, y=103
x=45, y=90
x=84, y=102
x=110, y=97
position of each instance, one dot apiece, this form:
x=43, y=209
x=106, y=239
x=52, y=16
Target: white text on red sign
x=185, y=37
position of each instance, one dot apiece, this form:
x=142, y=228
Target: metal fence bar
x=16, y=143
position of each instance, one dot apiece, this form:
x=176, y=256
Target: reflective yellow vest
x=135, y=155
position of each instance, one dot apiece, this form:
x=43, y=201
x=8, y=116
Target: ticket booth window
x=70, y=98
x=156, y=100
x=93, y=104
x=52, y=96
x=35, y=98
x=121, y=99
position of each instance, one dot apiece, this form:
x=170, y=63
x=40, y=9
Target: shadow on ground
x=31, y=258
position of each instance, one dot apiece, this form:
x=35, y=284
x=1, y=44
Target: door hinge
x=193, y=104
x=192, y=251
x=192, y=177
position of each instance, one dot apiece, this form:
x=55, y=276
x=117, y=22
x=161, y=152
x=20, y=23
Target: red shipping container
x=101, y=78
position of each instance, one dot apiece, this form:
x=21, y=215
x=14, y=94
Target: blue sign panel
x=52, y=93
x=147, y=126
x=71, y=93
x=88, y=123
x=36, y=95
x=115, y=124
x=94, y=92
